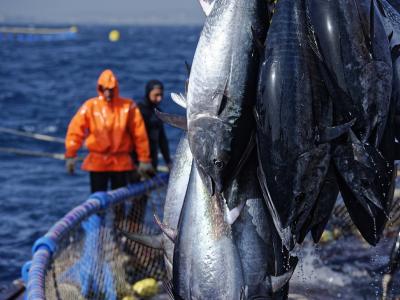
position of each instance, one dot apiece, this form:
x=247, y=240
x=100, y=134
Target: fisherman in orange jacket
x=113, y=127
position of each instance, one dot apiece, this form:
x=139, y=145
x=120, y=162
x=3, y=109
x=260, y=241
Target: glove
x=146, y=169
x=70, y=165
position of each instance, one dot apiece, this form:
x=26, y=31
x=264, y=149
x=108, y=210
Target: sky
x=101, y=11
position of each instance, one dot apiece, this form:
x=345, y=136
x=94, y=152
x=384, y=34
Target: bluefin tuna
x=177, y=186
x=223, y=257
x=267, y=266
x=222, y=88
x=294, y=124
x=391, y=21
x=357, y=68
x=206, y=262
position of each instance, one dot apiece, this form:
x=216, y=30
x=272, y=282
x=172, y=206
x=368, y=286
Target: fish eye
x=218, y=163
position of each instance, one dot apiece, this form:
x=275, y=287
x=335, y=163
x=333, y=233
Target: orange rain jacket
x=112, y=129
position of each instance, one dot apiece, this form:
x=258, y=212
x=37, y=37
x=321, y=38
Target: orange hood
x=107, y=80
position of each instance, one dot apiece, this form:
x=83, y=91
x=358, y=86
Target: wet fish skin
x=366, y=184
x=323, y=207
x=358, y=60
x=177, y=186
x=206, y=263
x=395, y=5
x=391, y=22
x=322, y=210
x=291, y=103
x=253, y=240
x=222, y=87
x=387, y=147
x=260, y=247
x=357, y=67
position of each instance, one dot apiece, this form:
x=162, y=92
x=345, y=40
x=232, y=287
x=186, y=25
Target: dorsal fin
x=152, y=241
x=328, y=134
x=207, y=6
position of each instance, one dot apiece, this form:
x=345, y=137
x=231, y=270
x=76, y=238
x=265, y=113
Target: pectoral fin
x=173, y=120
x=330, y=133
x=152, y=241
x=179, y=99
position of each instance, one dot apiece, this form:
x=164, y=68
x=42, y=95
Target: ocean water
x=42, y=84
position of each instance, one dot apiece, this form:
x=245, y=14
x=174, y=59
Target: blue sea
x=42, y=84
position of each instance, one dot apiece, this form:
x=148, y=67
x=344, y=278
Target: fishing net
x=94, y=260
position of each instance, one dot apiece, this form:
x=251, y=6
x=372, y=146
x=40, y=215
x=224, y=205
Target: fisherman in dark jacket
x=154, y=92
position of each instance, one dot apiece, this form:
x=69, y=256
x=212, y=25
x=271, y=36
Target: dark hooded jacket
x=154, y=126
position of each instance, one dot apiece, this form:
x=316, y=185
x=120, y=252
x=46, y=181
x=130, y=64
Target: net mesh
x=96, y=261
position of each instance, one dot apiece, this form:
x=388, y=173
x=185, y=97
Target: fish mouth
x=217, y=187
x=218, y=181
x=213, y=187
